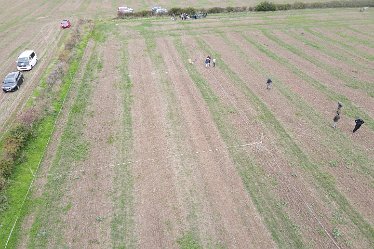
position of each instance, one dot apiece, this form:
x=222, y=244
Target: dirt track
x=172, y=154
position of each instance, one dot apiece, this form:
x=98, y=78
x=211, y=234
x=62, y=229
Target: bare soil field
x=155, y=150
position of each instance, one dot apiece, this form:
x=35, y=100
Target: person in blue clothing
x=207, y=61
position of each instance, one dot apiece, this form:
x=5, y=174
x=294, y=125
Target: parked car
x=125, y=10
x=27, y=60
x=65, y=24
x=199, y=15
x=12, y=81
x=159, y=10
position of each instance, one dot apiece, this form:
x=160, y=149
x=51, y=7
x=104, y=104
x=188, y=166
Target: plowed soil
x=169, y=153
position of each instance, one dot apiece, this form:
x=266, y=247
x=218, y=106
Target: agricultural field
x=149, y=150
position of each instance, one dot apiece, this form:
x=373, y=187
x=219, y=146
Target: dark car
x=12, y=81
x=65, y=24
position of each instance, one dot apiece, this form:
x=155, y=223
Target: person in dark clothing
x=359, y=122
x=339, y=108
x=336, y=119
x=268, y=84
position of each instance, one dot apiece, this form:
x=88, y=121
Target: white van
x=27, y=60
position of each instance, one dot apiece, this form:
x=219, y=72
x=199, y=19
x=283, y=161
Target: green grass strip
x=189, y=241
x=23, y=174
x=324, y=180
x=254, y=178
x=122, y=224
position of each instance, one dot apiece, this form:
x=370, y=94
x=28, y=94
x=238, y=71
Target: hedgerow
x=263, y=6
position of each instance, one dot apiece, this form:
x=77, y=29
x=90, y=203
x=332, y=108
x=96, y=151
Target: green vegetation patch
x=189, y=241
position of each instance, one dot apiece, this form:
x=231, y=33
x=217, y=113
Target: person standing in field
x=359, y=122
x=207, y=61
x=214, y=62
x=336, y=119
x=268, y=84
x=339, y=108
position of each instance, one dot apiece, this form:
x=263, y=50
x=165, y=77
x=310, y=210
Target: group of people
x=269, y=83
x=184, y=16
x=336, y=118
x=209, y=60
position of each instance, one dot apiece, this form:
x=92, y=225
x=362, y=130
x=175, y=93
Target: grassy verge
x=24, y=173
x=254, y=178
x=323, y=180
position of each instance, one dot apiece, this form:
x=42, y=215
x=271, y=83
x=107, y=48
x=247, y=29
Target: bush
x=143, y=13
x=265, y=6
x=230, y=9
x=299, y=5
x=29, y=117
x=3, y=201
x=240, y=9
x=284, y=6
x=215, y=10
x=2, y=184
x=15, y=141
x=175, y=11
x=6, y=166
x=189, y=10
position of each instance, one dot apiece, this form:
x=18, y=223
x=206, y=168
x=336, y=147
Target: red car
x=65, y=24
